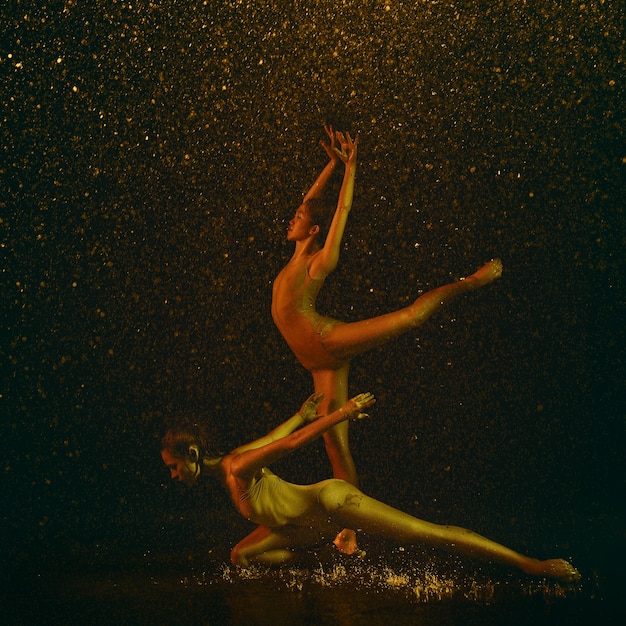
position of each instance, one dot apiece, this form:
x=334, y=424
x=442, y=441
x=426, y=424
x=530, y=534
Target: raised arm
x=306, y=414
x=317, y=189
x=247, y=461
x=326, y=259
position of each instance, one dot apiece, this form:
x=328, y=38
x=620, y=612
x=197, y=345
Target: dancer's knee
x=239, y=556
x=244, y=552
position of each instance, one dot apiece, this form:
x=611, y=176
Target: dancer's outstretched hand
x=347, y=153
x=353, y=406
x=331, y=149
x=308, y=411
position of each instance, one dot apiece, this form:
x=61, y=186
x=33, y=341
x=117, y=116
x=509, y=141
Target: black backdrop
x=151, y=155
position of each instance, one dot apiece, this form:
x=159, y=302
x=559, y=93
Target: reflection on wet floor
x=336, y=591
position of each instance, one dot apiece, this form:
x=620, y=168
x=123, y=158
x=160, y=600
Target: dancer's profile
x=324, y=346
x=293, y=517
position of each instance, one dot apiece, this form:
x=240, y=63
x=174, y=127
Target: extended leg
x=352, y=508
x=344, y=341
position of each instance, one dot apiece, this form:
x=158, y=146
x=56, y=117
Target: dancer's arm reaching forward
x=247, y=460
x=306, y=414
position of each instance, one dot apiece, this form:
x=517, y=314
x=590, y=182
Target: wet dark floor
x=333, y=592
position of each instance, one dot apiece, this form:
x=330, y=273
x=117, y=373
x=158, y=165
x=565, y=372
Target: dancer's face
x=301, y=225
x=185, y=470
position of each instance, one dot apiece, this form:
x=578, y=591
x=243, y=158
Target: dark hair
x=321, y=211
x=182, y=435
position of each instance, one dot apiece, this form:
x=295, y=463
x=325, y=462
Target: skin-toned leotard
x=273, y=502
x=296, y=318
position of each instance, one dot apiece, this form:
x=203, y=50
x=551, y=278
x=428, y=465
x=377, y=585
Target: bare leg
x=334, y=385
x=352, y=508
x=347, y=340
x=274, y=547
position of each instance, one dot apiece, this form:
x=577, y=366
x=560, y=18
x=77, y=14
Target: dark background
x=152, y=153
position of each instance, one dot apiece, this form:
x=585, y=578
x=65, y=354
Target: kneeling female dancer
x=292, y=517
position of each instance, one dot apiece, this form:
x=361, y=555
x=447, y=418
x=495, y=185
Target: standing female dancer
x=293, y=517
x=323, y=345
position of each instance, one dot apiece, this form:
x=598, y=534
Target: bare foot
x=559, y=569
x=346, y=541
x=487, y=273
